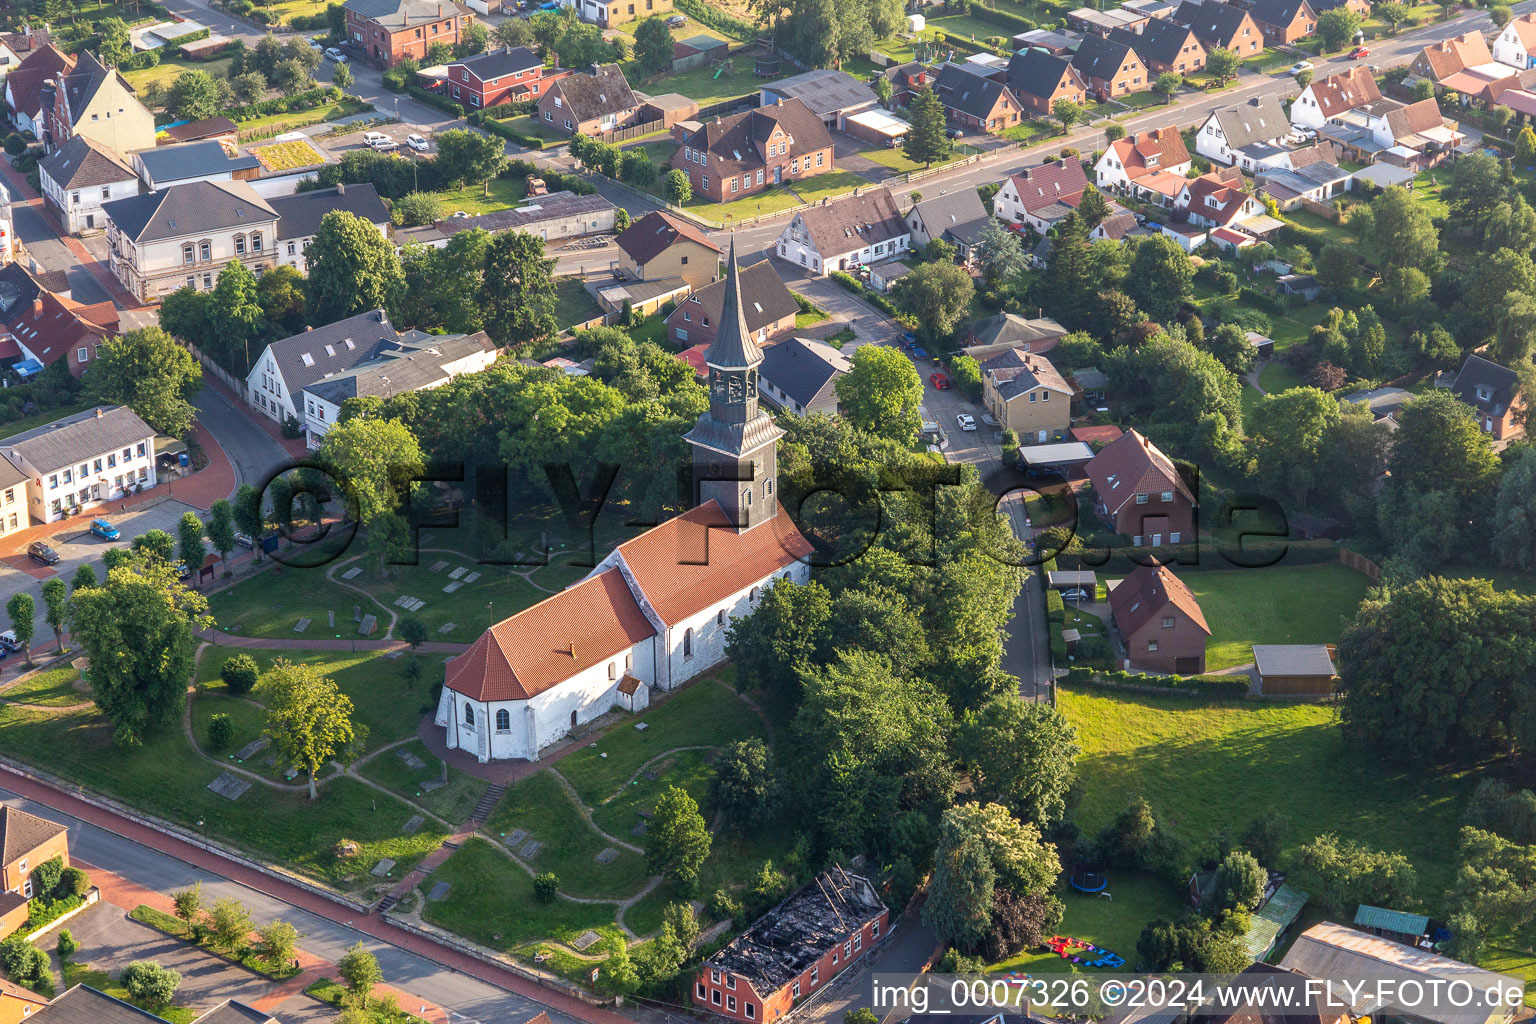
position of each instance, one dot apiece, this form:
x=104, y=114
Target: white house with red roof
x=655, y=612
x=1039, y=196
x=1151, y=166
x=1516, y=45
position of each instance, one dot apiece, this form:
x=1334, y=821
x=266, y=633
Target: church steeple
x=735, y=457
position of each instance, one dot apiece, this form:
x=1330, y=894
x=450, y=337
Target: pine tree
x=928, y=140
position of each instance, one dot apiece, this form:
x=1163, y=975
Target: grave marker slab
x=301, y=625
x=516, y=836
x=382, y=868
x=531, y=848
x=229, y=786
x=439, y=566
x=607, y=856
x=357, y=613
x=413, y=824
x=642, y=726
x=252, y=748
x=368, y=626
x=586, y=940
x=471, y=577
x=450, y=588
x=432, y=784
x=439, y=892
x=649, y=774
x=410, y=759
x=352, y=573
x=330, y=618
x=460, y=571
x=448, y=627
x=640, y=829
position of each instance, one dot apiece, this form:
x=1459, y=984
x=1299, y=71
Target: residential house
x=1295, y=669
x=1228, y=130
x=976, y=103
x=166, y=167
x=1165, y=45
x=73, y=463
x=1156, y=10
x=508, y=75
x=1091, y=21
x=907, y=80
x=1055, y=43
x=794, y=950
x=417, y=362
x=85, y=1005
x=800, y=375
x=1218, y=24
x=609, y=13
x=1152, y=166
x=16, y=1003
x=24, y=87
x=96, y=102
x=1328, y=98
x=1318, y=181
x=1026, y=394
x=81, y=175
x=1038, y=80
x=853, y=231
x=1493, y=392
x=1516, y=44
x=830, y=94
x=957, y=218
x=1440, y=61
x=161, y=241
x=218, y=129
x=1412, y=135
x=733, y=157
x=41, y=327
x=1159, y=621
x=767, y=305
x=1360, y=7
x=1110, y=67
x=1139, y=492
x=16, y=47
x=1001, y=332
x=27, y=841
x=286, y=367
x=589, y=102
x=1035, y=194
x=13, y=517
x=659, y=246
x=389, y=31
x=1216, y=199
x=299, y=216
x=1283, y=22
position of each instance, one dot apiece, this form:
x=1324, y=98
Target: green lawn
x=573, y=303
x=689, y=769
x=1502, y=579
x=1112, y=924
x=38, y=419
x=825, y=186
x=506, y=192
x=1031, y=132
x=530, y=125
x=53, y=688
x=540, y=806
x=499, y=592
x=272, y=602
x=273, y=124
x=452, y=802
x=1304, y=604
x=701, y=84
x=101, y=981
x=773, y=199
x=287, y=10
x=1250, y=399
x=1277, y=376
x=1209, y=766
x=170, y=69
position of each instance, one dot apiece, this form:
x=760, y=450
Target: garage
x=1303, y=670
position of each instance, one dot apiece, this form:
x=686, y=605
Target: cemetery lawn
x=53, y=687
x=499, y=591
x=452, y=802
x=540, y=806
x=270, y=604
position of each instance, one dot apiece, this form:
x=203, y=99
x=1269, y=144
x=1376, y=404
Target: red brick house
x=507, y=75
x=768, y=306
x=1283, y=21
x=1165, y=46
x=733, y=157
x=794, y=950
x=25, y=842
x=1218, y=24
x=1493, y=392
x=592, y=101
x=1160, y=621
x=1039, y=80
x=1139, y=492
x=388, y=31
x=40, y=325
x=1111, y=67
x=977, y=104
x=907, y=80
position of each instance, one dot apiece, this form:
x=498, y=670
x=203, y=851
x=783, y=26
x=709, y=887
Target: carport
x=1042, y=459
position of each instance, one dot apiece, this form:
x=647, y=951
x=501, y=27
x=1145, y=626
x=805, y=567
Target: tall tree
x=781, y=639
x=1069, y=113
x=443, y=285
x=193, y=95
x=1223, y=63
x=882, y=393
x=280, y=293
x=1022, y=755
x=1067, y=286
x=189, y=534
x=1167, y=85
x=1290, y=432
x=653, y=45
x=1439, y=446
x=465, y=156
x=360, y=970
x=148, y=372
x=352, y=268
x=375, y=460
x=1160, y=278
x=938, y=294
x=137, y=628
x=22, y=612
x=249, y=518
x=517, y=293
x=999, y=253
x=678, y=841
x=744, y=788
x=309, y=719
x=1337, y=27
x=981, y=849
x=56, y=608
x=1395, y=230
x=928, y=139
x=221, y=528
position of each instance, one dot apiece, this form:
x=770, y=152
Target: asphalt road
x=251, y=450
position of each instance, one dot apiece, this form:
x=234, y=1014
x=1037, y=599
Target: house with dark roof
x=1150, y=166
x=849, y=232
x=1026, y=394
x=957, y=218
x=907, y=80
x=81, y=175
x=976, y=103
x=1138, y=491
x=1493, y=393
x=1159, y=620
x=286, y=367
x=1218, y=24
x=183, y=236
x=1283, y=21
x=232, y=1011
x=1039, y=196
x=1360, y=7
x=1165, y=45
x=794, y=950
x=769, y=307
x=1228, y=130
x=24, y=87
x=97, y=102
x=829, y=93
x=388, y=31
x=549, y=217
x=800, y=375
x=1001, y=332
x=221, y=129
x=42, y=327
x=508, y=75
x=1110, y=66
x=299, y=216
x=166, y=167
x=1038, y=80
x=419, y=361
x=16, y=47
x=85, y=1005
x=590, y=101
x=732, y=157
x=660, y=246
x=78, y=461
x=1414, y=135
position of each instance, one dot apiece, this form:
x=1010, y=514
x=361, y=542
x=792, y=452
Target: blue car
x=920, y=354
x=104, y=529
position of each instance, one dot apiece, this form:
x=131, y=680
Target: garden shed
x=1392, y=924
x=1295, y=669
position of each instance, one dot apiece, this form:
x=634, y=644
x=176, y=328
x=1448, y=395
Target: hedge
x=500, y=130
x=1219, y=687
x=1006, y=19
x=1259, y=300
x=1207, y=556
x=706, y=15
x=44, y=912
x=432, y=99
x=1054, y=605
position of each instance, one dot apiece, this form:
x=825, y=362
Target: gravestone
x=516, y=836
x=229, y=786
x=252, y=748
x=414, y=824
x=448, y=627
x=382, y=868
x=450, y=588
x=641, y=726
x=432, y=784
x=439, y=892
x=393, y=655
x=369, y=625
x=471, y=577
x=410, y=758
x=401, y=600
x=439, y=566
x=531, y=848
x=291, y=774
x=352, y=573
x=607, y=856
x=586, y=940
x=649, y=774
x=330, y=618
x=301, y=625
x=270, y=760
x=417, y=604
x=460, y=571
x=357, y=613
x=640, y=829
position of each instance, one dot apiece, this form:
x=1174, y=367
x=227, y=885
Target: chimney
x=572, y=649
x=307, y=328
x=781, y=101
x=37, y=306
x=98, y=412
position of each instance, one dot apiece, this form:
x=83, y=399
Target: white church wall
x=709, y=633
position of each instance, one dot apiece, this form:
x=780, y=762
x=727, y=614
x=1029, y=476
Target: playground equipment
x=1089, y=878
x=1066, y=947
x=724, y=66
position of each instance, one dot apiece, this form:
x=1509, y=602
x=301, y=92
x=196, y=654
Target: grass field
x=573, y=303
x=701, y=84
x=506, y=192
x=170, y=69
x=1304, y=604
x=540, y=806
x=452, y=802
x=1277, y=377
x=825, y=186
x=287, y=156
x=1113, y=924
x=272, y=602
x=53, y=688
x=273, y=124
x=1214, y=766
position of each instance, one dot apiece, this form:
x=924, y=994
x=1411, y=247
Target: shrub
x=1055, y=608
x=221, y=732
x=545, y=887
x=150, y=983
x=15, y=145
x=73, y=882
x=1208, y=686
x=239, y=674
x=45, y=877
x=848, y=281
x=723, y=906
x=67, y=946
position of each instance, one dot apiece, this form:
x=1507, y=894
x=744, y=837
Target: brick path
x=303, y=898
x=223, y=639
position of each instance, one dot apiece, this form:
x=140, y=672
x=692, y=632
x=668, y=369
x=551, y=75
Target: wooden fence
x=1360, y=564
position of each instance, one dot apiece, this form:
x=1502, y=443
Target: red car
x=939, y=381
x=1360, y=52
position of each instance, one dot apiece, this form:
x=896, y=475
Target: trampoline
x=1089, y=878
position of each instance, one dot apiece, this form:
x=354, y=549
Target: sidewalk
x=298, y=896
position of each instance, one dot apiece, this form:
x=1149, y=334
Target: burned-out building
x=794, y=949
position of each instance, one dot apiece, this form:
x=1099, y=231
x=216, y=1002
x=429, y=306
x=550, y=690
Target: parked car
x=333, y=54
x=369, y=138
x=384, y=145
x=1299, y=67
x=417, y=142
x=243, y=540
x=1360, y=53
x=989, y=419
x=677, y=21
x=182, y=572
x=939, y=381
x=104, y=529
x=966, y=420
x=919, y=353
x=40, y=552
x=954, y=133
x=8, y=642
x=1076, y=594
x=908, y=339
x=317, y=45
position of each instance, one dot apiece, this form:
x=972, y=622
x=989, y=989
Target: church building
x=655, y=612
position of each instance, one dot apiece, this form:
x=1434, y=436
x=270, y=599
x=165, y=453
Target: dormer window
x=1484, y=393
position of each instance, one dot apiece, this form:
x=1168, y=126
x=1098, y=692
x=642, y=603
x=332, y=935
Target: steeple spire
x=734, y=348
